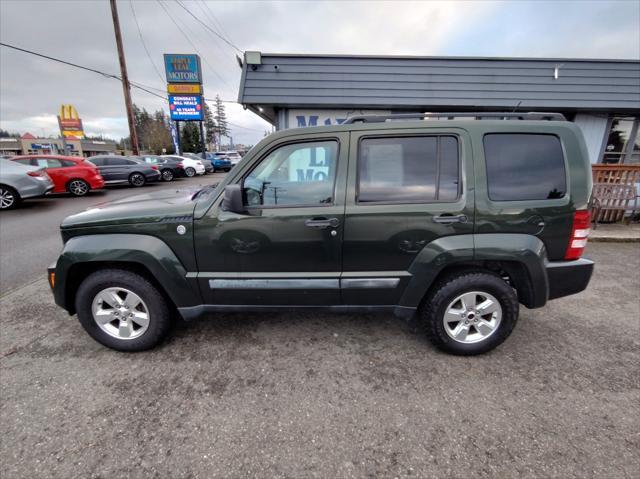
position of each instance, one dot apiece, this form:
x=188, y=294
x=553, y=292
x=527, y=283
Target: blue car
x=220, y=162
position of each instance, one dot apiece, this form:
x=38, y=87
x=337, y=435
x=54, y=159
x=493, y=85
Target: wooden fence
x=615, y=174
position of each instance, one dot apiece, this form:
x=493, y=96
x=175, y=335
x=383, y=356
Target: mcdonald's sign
x=69, y=122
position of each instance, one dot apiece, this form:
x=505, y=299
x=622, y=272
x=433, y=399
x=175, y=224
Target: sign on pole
x=186, y=107
x=181, y=68
x=184, y=88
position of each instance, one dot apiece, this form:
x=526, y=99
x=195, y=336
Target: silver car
x=18, y=182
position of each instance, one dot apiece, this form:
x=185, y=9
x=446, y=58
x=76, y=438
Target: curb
x=613, y=239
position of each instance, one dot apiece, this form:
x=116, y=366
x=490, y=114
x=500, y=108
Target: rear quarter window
x=524, y=166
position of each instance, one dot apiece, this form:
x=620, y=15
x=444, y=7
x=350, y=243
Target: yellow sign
x=184, y=88
x=70, y=123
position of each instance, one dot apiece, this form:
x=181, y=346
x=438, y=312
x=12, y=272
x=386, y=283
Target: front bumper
x=568, y=277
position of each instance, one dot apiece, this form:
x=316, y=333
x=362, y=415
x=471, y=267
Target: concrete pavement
x=320, y=395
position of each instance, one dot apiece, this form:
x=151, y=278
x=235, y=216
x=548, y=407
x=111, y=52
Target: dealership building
x=601, y=96
x=28, y=144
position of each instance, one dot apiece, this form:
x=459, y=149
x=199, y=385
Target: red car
x=69, y=173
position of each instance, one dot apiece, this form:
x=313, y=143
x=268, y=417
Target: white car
x=191, y=167
x=234, y=156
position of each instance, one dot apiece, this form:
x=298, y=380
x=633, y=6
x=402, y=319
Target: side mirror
x=232, y=200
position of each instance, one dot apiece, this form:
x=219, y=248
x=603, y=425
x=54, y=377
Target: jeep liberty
x=453, y=223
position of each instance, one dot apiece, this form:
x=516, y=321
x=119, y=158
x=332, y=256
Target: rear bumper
x=568, y=277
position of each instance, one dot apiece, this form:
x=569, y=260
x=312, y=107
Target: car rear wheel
x=469, y=313
x=9, y=198
x=137, y=179
x=167, y=175
x=122, y=310
x=190, y=172
x=78, y=187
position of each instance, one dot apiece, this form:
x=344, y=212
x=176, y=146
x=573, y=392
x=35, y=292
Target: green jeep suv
x=454, y=223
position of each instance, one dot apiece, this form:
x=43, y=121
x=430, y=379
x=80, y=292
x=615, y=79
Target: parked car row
x=31, y=176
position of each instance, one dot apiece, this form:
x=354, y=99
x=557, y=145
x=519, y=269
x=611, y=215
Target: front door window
x=299, y=174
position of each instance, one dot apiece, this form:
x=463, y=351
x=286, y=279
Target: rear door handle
x=448, y=219
x=322, y=223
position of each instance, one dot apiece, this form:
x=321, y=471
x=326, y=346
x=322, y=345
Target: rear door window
x=524, y=166
x=412, y=169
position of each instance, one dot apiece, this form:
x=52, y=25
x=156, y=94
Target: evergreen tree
x=190, y=137
x=222, y=128
x=209, y=126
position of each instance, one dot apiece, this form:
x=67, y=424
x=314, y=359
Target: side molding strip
x=369, y=283
x=274, y=284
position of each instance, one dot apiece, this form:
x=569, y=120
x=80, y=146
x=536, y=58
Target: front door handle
x=322, y=223
x=449, y=219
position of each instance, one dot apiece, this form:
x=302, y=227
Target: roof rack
x=532, y=115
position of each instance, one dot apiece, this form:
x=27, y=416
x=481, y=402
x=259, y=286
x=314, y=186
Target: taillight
x=36, y=173
x=579, y=234
x=154, y=167
x=180, y=165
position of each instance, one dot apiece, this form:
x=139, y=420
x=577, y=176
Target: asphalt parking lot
x=321, y=395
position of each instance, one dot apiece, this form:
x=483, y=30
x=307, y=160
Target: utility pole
x=125, y=79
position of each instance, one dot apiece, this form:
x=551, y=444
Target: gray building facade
x=601, y=96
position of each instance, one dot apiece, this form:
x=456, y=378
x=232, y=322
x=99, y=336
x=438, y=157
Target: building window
x=623, y=141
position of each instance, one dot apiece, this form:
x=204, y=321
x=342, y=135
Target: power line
x=217, y=22
x=139, y=86
x=75, y=65
x=192, y=44
x=133, y=10
x=209, y=28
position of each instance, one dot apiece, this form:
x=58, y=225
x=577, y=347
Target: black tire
x=167, y=174
x=78, y=187
x=190, y=172
x=137, y=179
x=159, y=312
x=227, y=170
x=9, y=197
x=432, y=311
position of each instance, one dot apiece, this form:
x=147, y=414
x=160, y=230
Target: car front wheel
x=137, y=179
x=469, y=313
x=9, y=198
x=78, y=187
x=122, y=310
x=190, y=172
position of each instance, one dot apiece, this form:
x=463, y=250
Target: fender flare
x=525, y=252
x=144, y=250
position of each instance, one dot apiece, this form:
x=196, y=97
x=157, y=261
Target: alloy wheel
x=190, y=172
x=120, y=313
x=78, y=187
x=137, y=179
x=472, y=317
x=7, y=198
x=167, y=175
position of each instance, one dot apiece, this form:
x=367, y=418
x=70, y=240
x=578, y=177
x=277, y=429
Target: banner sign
x=184, y=88
x=174, y=138
x=70, y=123
x=182, y=68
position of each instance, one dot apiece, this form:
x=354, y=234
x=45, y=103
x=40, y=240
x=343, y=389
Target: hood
x=146, y=208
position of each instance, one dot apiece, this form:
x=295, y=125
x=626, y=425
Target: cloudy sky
x=81, y=31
